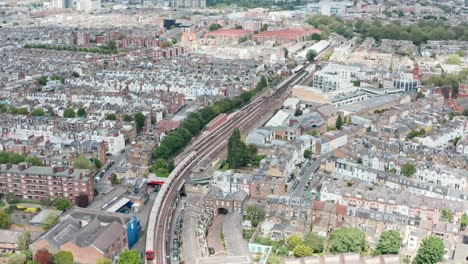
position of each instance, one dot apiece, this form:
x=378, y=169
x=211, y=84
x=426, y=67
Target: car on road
x=311, y=176
x=305, y=188
x=211, y=250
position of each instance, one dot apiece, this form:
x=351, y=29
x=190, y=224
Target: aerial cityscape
x=233, y=131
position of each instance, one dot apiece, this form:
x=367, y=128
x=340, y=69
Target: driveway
x=232, y=229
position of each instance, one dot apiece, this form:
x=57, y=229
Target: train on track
x=155, y=210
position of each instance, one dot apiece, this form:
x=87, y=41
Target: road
x=232, y=230
x=248, y=117
x=104, y=184
x=304, y=178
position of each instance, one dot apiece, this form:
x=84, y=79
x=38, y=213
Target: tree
x=62, y=204
x=310, y=56
x=431, y=251
x=69, y=113
x=238, y=154
x=64, y=257
x=359, y=160
x=23, y=111
x=35, y=161
x=453, y=59
x=465, y=112
x=464, y=221
x=111, y=116
x=17, y=259
x=316, y=37
x=4, y=157
x=16, y=158
x=28, y=254
x=129, y=257
x=5, y=220
x=264, y=27
x=140, y=121
x=167, y=44
x=97, y=163
x=446, y=215
x=314, y=241
x=42, y=80
x=42, y=256
x=408, y=169
x=50, y=221
x=255, y=214
x=114, y=179
x=38, y=112
x=12, y=199
x=214, y=27
x=294, y=241
x=81, y=162
x=24, y=240
x=302, y=251
x=339, y=122
x=82, y=200
x=307, y=153
x=104, y=261
x=389, y=243
x=81, y=112
x=127, y=118
x=347, y=239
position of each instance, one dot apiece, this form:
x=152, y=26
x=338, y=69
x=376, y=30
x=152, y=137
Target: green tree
x=316, y=37
x=13, y=110
x=28, y=253
x=310, y=55
x=24, y=240
x=64, y=257
x=129, y=257
x=359, y=160
x=114, y=179
x=339, y=122
x=238, y=154
x=307, y=153
x=97, y=163
x=294, y=241
x=5, y=220
x=302, y=251
x=446, y=215
x=50, y=221
x=127, y=118
x=347, y=239
x=408, y=169
x=23, y=111
x=453, y=59
x=81, y=112
x=38, y=112
x=314, y=241
x=255, y=214
x=17, y=259
x=35, y=161
x=140, y=121
x=12, y=199
x=62, y=204
x=389, y=243
x=431, y=251
x=214, y=27
x=111, y=116
x=4, y=157
x=104, y=261
x=81, y=162
x=69, y=113
x=464, y=221
x=43, y=80
x=16, y=158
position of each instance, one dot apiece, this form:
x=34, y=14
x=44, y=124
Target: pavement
x=232, y=229
x=191, y=244
x=213, y=237
x=224, y=260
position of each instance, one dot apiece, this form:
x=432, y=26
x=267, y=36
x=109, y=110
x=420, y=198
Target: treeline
x=287, y=5
x=15, y=158
x=448, y=80
x=108, y=49
x=419, y=32
x=192, y=125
